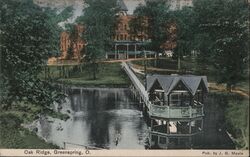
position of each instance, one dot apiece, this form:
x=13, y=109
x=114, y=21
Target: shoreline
x=67, y=84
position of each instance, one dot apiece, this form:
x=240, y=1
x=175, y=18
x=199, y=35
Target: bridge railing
x=176, y=112
x=138, y=85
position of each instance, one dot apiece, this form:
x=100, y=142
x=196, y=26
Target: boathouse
x=176, y=112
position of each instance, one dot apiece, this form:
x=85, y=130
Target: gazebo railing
x=176, y=112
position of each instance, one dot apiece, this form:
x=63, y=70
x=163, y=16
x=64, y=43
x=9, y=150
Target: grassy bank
x=235, y=110
x=13, y=136
x=109, y=75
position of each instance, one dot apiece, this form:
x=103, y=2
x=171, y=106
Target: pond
x=110, y=118
x=99, y=117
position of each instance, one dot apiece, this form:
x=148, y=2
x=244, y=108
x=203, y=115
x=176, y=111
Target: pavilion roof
x=169, y=82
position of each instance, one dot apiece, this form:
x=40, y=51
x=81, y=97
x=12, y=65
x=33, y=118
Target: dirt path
x=127, y=60
x=106, y=61
x=223, y=88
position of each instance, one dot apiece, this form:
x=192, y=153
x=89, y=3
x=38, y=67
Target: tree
x=203, y=45
x=157, y=14
x=73, y=35
x=224, y=23
x=53, y=20
x=185, y=22
x=26, y=40
x=99, y=19
x=138, y=26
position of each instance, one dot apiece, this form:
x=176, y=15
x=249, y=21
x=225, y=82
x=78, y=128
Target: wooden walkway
x=137, y=84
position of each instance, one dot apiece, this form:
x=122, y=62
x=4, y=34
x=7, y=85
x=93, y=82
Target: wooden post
x=151, y=124
x=81, y=68
x=190, y=128
x=202, y=124
x=115, y=51
x=64, y=145
x=127, y=50
x=168, y=99
x=163, y=98
x=168, y=111
x=202, y=111
x=135, y=50
x=63, y=72
x=202, y=97
x=190, y=111
x=168, y=131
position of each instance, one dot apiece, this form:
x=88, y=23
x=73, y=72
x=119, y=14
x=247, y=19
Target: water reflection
x=106, y=118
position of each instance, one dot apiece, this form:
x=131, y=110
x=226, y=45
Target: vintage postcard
x=124, y=77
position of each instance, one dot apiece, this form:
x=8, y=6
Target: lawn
x=110, y=75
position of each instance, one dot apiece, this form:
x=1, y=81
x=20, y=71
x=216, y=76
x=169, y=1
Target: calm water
x=110, y=118
x=106, y=118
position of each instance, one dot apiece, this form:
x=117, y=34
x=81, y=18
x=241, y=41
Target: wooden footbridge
x=139, y=87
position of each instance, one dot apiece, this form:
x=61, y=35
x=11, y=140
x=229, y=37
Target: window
x=121, y=37
x=180, y=98
x=175, y=99
x=125, y=27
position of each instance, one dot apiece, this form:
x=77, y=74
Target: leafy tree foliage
x=99, y=20
x=138, y=26
x=53, y=21
x=26, y=40
x=157, y=13
x=185, y=22
x=222, y=37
